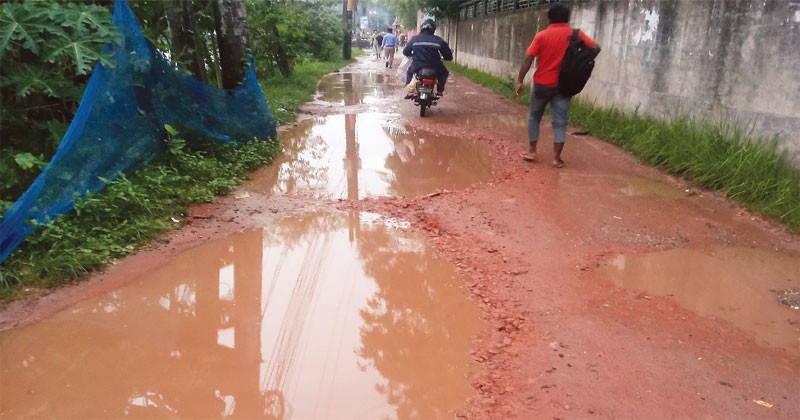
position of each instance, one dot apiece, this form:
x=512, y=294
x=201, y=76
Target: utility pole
x=348, y=6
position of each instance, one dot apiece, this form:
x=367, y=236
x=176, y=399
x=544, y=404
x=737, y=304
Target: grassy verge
x=133, y=210
x=502, y=87
x=716, y=156
x=285, y=96
x=129, y=212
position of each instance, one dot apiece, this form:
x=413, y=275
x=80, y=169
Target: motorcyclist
x=428, y=50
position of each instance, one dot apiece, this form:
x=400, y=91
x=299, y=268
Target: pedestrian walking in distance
x=549, y=46
x=389, y=47
x=377, y=40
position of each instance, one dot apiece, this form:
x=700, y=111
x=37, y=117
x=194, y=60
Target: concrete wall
x=737, y=60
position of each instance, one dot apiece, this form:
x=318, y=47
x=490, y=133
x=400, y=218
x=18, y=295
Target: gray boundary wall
x=732, y=60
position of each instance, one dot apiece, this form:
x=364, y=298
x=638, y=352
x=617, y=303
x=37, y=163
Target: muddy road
x=388, y=265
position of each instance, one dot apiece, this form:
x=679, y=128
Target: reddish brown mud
x=608, y=288
x=319, y=315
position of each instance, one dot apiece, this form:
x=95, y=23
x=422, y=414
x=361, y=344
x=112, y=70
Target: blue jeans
x=559, y=107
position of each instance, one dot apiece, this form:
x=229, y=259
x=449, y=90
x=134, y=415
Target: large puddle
x=740, y=285
x=319, y=316
x=356, y=88
x=358, y=155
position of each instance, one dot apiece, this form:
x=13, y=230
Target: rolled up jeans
x=559, y=105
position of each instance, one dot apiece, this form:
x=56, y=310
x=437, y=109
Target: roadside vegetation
x=134, y=210
x=716, y=156
x=285, y=95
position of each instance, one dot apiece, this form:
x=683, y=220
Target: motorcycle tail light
x=428, y=82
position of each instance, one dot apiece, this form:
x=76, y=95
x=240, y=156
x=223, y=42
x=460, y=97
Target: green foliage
x=285, y=95
x=69, y=35
x=39, y=98
x=406, y=10
x=47, y=50
x=153, y=20
x=28, y=161
x=285, y=32
x=16, y=170
x=503, y=87
x=135, y=209
x=717, y=156
x=130, y=211
x=440, y=8
x=154, y=16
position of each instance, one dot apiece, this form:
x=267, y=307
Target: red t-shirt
x=550, y=45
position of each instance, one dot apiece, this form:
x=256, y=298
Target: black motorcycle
x=425, y=90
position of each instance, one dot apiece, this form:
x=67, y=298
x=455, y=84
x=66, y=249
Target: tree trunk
x=214, y=59
x=184, y=37
x=230, y=18
x=284, y=62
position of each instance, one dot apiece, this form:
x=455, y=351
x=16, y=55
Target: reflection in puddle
x=355, y=88
x=319, y=316
x=637, y=186
x=735, y=284
x=355, y=156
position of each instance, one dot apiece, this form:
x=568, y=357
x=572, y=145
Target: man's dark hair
x=558, y=14
x=389, y=29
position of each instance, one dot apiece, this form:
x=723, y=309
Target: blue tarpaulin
x=119, y=125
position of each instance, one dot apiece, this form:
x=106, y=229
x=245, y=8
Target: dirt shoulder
x=565, y=342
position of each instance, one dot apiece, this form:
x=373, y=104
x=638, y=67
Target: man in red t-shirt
x=549, y=45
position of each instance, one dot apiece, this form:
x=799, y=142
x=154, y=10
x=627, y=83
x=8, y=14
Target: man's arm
x=523, y=70
x=589, y=42
x=447, y=53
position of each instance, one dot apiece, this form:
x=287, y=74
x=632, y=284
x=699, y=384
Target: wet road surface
x=355, y=156
x=606, y=289
x=318, y=315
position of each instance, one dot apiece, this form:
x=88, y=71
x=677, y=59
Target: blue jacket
x=427, y=50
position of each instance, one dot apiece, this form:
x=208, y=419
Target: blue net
x=119, y=125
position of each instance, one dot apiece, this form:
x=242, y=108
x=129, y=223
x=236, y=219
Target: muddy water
x=319, y=316
x=359, y=155
x=355, y=88
x=637, y=186
x=740, y=285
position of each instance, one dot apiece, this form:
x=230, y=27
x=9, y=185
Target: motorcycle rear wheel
x=422, y=107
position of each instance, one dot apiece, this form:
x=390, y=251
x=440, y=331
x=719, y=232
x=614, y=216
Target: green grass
x=128, y=213
x=503, y=87
x=717, y=156
x=133, y=210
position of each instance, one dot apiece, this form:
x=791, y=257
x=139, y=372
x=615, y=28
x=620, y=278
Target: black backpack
x=576, y=67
